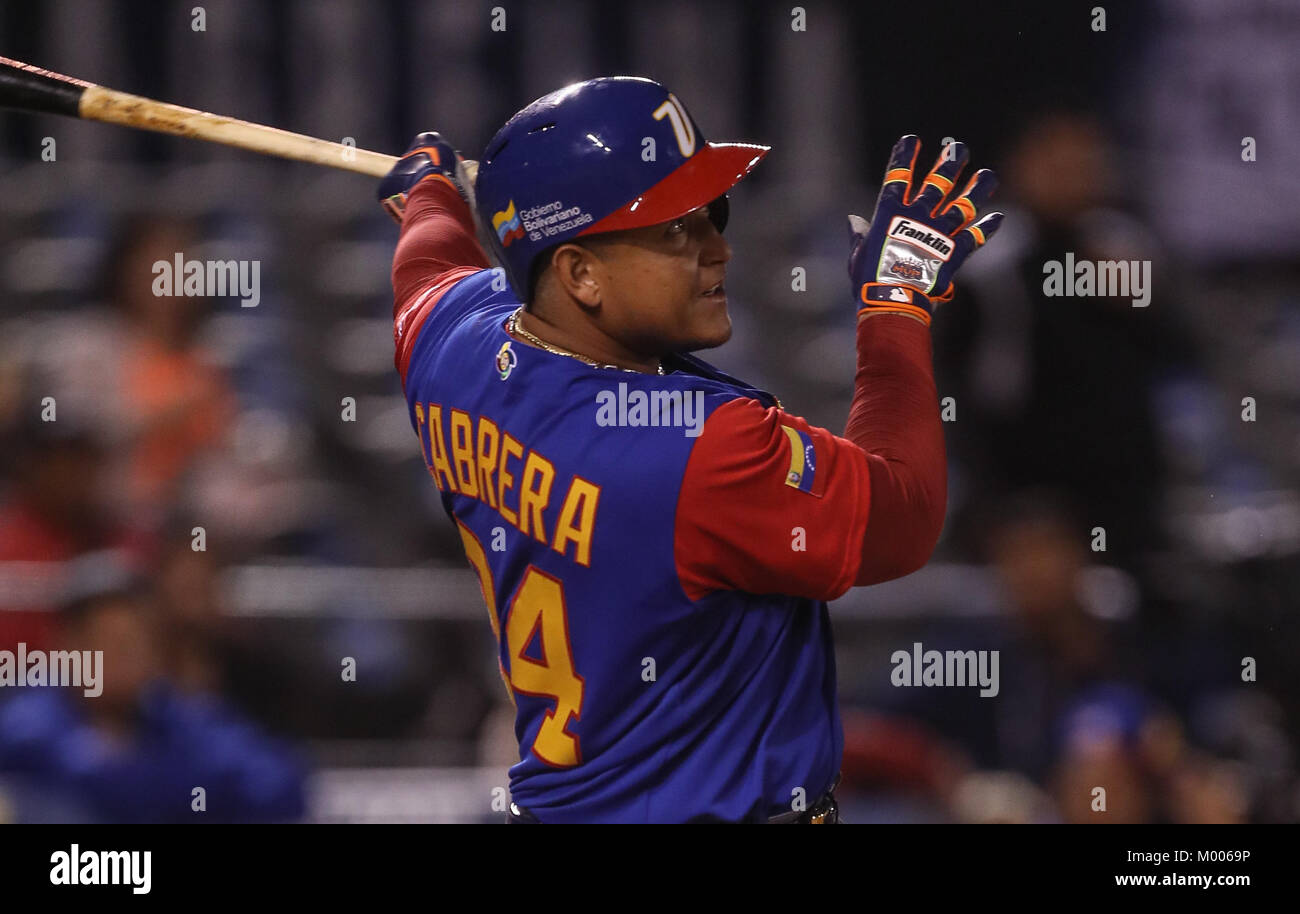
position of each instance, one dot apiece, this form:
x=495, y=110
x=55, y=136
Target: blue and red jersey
x=655, y=552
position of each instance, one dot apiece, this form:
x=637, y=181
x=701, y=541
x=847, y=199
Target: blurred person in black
x=1052, y=645
x=1056, y=391
x=1083, y=697
x=1058, y=645
x=197, y=642
x=204, y=650
x=137, y=751
x=1076, y=641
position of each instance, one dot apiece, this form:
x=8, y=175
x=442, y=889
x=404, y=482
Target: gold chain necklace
x=514, y=328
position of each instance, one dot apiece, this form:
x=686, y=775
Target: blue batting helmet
x=597, y=156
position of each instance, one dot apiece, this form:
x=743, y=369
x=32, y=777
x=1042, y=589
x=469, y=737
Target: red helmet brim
x=700, y=180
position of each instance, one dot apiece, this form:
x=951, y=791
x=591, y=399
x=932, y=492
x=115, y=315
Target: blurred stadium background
x=325, y=540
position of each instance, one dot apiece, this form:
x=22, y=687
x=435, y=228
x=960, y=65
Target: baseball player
x=656, y=540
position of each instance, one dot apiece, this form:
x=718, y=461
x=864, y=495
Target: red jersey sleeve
x=770, y=504
x=437, y=247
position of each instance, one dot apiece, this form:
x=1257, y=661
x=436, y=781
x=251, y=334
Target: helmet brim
x=700, y=180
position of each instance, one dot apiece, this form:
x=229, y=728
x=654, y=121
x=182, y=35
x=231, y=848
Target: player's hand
x=904, y=260
x=428, y=156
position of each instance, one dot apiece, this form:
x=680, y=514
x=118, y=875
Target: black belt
x=826, y=811
x=520, y=816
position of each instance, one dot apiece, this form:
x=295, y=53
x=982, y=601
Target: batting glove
x=428, y=156
x=904, y=260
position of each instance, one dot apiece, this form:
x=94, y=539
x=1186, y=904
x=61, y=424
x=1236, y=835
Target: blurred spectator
x=175, y=404
x=1117, y=741
x=136, y=752
x=1002, y=798
x=205, y=651
x=191, y=623
x=897, y=769
x=53, y=511
x=1245, y=729
x=1104, y=763
x=1056, y=391
x=1052, y=642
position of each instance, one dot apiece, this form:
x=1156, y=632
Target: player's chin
x=709, y=322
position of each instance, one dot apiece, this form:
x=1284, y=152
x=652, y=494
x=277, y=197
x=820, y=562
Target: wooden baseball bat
x=28, y=88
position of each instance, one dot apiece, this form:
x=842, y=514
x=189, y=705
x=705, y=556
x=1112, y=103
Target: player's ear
x=576, y=269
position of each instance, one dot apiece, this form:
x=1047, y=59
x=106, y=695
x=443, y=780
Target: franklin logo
x=506, y=360
x=918, y=235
